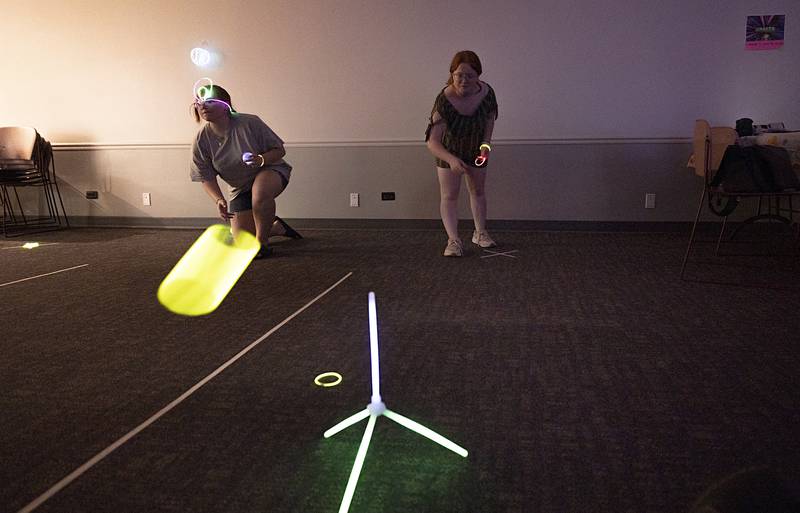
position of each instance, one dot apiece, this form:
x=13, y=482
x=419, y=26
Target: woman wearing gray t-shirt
x=248, y=156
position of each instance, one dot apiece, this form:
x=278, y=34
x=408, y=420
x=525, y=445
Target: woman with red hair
x=460, y=131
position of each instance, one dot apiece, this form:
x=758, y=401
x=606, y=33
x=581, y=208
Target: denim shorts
x=244, y=201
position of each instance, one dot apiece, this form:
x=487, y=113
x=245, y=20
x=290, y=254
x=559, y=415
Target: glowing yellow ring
x=337, y=379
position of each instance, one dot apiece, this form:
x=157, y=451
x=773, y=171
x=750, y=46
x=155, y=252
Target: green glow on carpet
x=422, y=430
x=359, y=463
x=375, y=409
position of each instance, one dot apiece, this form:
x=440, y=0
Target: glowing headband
x=203, y=94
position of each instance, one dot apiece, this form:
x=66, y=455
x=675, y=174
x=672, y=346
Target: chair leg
x=721, y=232
x=21, y=208
x=3, y=200
x=58, y=191
x=795, y=224
x=694, y=229
x=50, y=200
x=9, y=216
x=8, y=207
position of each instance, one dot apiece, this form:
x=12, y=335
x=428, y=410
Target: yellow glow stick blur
x=208, y=271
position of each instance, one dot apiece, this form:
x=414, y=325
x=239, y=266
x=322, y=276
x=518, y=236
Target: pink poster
x=765, y=32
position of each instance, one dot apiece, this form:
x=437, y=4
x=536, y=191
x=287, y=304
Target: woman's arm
x=436, y=147
x=269, y=157
x=212, y=189
x=487, y=134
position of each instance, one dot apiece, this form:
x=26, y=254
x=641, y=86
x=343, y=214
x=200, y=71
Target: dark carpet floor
x=582, y=375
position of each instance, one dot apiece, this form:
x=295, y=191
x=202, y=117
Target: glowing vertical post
x=373, y=350
x=375, y=409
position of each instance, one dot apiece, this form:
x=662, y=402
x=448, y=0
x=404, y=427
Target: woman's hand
x=222, y=207
x=256, y=161
x=457, y=165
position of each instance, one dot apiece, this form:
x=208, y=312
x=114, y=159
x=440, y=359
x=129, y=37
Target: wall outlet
x=353, y=199
x=146, y=199
x=387, y=196
x=91, y=194
x=649, y=200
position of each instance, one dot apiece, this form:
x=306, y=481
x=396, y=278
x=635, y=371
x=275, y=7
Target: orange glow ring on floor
x=337, y=378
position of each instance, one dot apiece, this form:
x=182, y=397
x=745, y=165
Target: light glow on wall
x=204, y=56
x=200, y=57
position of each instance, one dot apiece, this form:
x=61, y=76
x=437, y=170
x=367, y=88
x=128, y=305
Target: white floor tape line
x=75, y=474
x=42, y=275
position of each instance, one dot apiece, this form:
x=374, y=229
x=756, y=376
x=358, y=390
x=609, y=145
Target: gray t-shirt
x=212, y=156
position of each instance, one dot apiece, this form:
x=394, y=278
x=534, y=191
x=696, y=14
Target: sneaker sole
x=482, y=246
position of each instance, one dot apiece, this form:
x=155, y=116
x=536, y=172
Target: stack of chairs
x=26, y=160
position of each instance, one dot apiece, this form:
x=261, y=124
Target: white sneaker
x=454, y=248
x=483, y=240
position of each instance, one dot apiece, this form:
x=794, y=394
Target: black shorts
x=244, y=201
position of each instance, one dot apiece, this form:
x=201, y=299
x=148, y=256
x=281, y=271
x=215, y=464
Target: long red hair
x=465, y=57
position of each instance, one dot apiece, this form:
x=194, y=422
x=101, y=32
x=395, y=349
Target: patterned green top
x=464, y=134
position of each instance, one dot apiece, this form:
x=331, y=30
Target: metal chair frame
x=707, y=165
x=37, y=171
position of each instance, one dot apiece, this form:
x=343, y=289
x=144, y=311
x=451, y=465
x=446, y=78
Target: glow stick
x=200, y=92
x=320, y=380
x=422, y=430
x=208, y=271
x=481, y=159
x=375, y=409
x=203, y=94
x=346, y=423
x=356, y=472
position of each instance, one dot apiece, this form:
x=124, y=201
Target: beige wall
x=590, y=181
x=342, y=71
x=597, y=98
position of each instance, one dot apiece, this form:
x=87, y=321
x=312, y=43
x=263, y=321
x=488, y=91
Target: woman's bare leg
x=476, y=185
x=449, y=187
x=267, y=186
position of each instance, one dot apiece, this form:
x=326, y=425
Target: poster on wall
x=765, y=32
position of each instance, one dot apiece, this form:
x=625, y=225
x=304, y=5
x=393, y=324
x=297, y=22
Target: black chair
x=26, y=160
x=710, y=145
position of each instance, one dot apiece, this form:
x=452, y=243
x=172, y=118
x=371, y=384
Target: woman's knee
x=476, y=182
x=476, y=188
x=477, y=191
x=263, y=201
x=267, y=185
x=449, y=196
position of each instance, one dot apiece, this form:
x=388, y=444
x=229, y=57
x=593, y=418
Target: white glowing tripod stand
x=375, y=409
